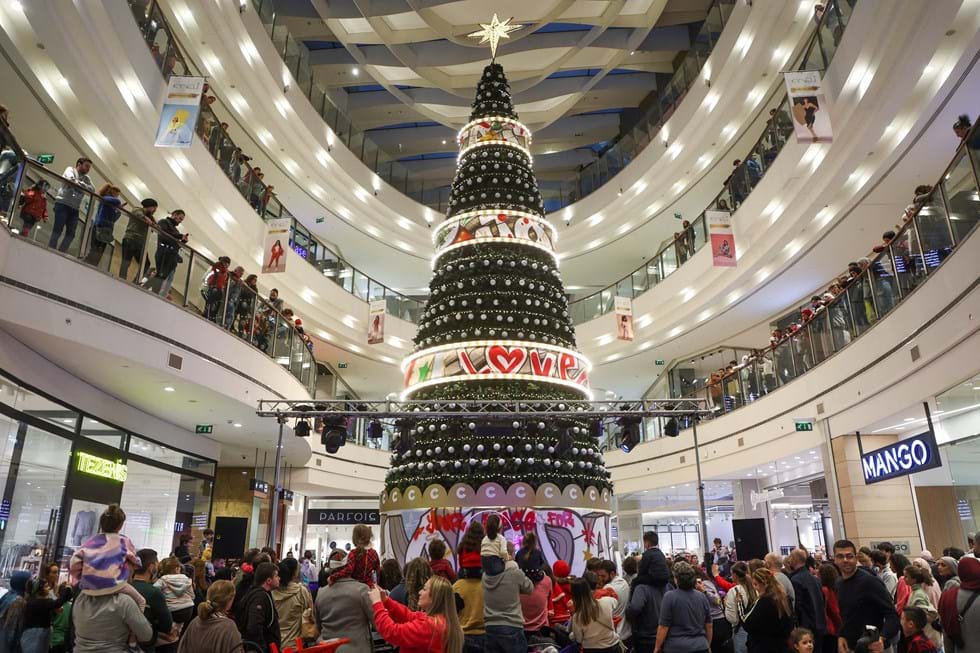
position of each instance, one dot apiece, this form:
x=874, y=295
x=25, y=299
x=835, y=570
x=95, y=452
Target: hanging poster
x=180, y=111
x=376, y=322
x=722, y=238
x=811, y=119
x=624, y=318
x=274, y=247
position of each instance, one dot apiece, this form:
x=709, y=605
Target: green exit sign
x=341, y=366
x=45, y=158
x=659, y=361
x=204, y=428
x=804, y=425
x=320, y=220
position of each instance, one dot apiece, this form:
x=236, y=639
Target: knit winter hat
x=952, y=564
x=562, y=569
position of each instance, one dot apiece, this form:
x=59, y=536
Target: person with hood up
x=959, y=610
x=213, y=630
x=12, y=611
x=292, y=599
x=178, y=591
x=946, y=573
x=502, y=612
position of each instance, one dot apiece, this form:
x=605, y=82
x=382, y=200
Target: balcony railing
x=171, y=59
x=933, y=228
x=755, y=164
x=129, y=247
x=556, y=195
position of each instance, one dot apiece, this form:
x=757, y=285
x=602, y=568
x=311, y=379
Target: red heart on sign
x=506, y=359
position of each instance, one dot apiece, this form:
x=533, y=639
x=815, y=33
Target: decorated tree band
x=494, y=130
x=489, y=359
x=505, y=225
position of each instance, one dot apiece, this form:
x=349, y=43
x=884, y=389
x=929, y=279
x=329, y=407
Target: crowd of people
x=826, y=324
x=231, y=296
x=495, y=599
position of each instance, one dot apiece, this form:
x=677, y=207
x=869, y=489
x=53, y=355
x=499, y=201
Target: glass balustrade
x=297, y=57
x=936, y=224
x=249, y=180
x=744, y=178
x=124, y=244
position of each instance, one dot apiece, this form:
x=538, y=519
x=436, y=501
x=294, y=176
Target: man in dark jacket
x=643, y=614
x=168, y=251
x=809, y=604
x=257, y=618
x=653, y=564
x=156, y=612
x=135, y=237
x=864, y=601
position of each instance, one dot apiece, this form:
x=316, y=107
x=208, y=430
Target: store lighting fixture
x=237, y=425
x=168, y=388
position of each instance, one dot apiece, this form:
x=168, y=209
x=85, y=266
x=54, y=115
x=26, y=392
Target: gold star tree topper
x=493, y=32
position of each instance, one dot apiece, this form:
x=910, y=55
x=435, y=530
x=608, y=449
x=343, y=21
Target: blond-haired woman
x=770, y=620
x=213, y=630
x=433, y=629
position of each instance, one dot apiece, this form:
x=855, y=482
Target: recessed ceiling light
x=237, y=425
x=444, y=141
x=168, y=388
x=355, y=72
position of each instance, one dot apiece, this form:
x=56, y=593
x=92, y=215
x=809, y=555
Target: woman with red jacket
x=828, y=579
x=434, y=629
x=33, y=206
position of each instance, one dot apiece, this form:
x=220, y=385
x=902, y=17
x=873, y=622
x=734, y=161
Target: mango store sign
x=908, y=456
x=114, y=470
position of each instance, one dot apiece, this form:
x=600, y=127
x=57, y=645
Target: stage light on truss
x=334, y=433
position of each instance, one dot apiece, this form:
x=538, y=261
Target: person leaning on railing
x=167, y=256
x=134, y=239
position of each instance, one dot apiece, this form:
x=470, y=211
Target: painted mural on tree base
x=573, y=525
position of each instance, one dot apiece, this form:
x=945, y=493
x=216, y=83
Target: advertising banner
x=722, y=238
x=275, y=245
x=811, y=120
x=624, y=318
x=376, y=322
x=181, y=108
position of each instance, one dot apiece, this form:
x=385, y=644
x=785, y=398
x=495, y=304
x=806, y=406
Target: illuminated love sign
x=908, y=456
x=101, y=467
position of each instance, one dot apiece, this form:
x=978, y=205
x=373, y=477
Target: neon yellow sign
x=101, y=467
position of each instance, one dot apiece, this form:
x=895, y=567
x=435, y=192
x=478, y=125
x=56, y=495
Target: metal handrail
x=744, y=179
x=28, y=169
x=173, y=59
x=874, y=277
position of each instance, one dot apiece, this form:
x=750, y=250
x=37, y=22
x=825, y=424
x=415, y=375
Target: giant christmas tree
x=496, y=327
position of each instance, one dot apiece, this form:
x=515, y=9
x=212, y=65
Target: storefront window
x=292, y=538
x=168, y=456
x=958, y=411
x=59, y=470
x=36, y=405
x=33, y=469
x=93, y=429
x=334, y=527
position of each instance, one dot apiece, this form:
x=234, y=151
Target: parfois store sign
x=331, y=516
x=908, y=456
